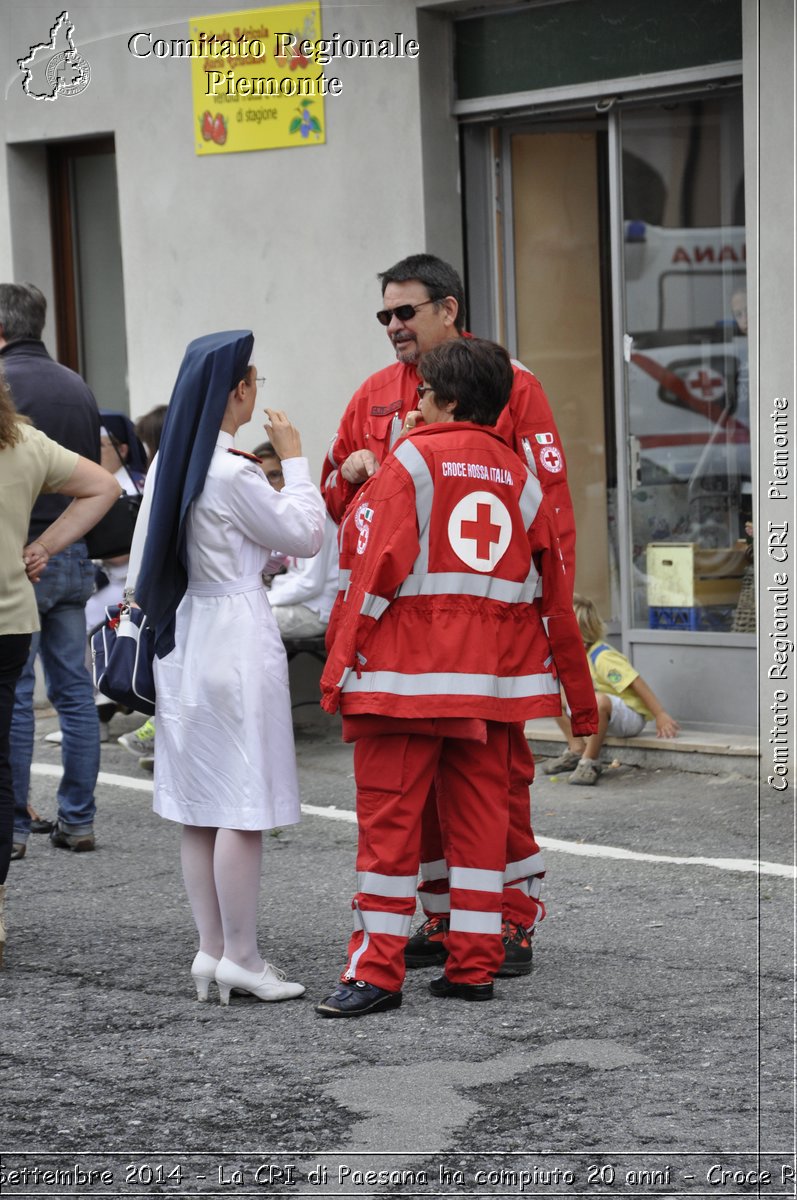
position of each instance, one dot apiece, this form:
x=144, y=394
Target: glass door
x=557, y=273
x=686, y=366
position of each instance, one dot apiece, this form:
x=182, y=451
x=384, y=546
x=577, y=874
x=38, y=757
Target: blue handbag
x=122, y=655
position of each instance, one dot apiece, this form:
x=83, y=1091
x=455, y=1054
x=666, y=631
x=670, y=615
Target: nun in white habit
x=225, y=767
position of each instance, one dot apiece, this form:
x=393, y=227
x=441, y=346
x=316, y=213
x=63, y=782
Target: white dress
x=225, y=754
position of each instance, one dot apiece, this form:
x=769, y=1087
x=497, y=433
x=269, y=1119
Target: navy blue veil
x=213, y=365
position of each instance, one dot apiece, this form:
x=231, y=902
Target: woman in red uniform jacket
x=439, y=646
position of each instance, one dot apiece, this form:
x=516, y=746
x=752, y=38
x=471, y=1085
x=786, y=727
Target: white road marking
x=585, y=849
x=720, y=864
x=126, y=781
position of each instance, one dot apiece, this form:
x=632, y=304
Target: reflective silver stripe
x=521, y=366
x=382, y=922
x=386, y=885
x=476, y=879
x=465, y=921
x=344, y=677
x=373, y=606
x=413, y=461
x=434, y=870
x=344, y=576
x=434, y=903
x=522, y=885
x=535, y=887
x=530, y=499
x=444, y=683
x=525, y=867
x=537, y=919
x=448, y=583
x=351, y=970
x=531, y=462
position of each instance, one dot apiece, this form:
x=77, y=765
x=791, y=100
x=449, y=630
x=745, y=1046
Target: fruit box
x=681, y=574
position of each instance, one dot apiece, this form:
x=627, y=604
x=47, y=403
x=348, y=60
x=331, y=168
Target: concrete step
x=706, y=752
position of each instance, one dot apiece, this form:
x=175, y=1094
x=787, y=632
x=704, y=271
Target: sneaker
x=356, y=999
x=147, y=762
x=586, y=773
x=444, y=988
x=140, y=741
x=18, y=850
x=56, y=736
x=568, y=760
x=425, y=948
x=518, y=951
x=81, y=843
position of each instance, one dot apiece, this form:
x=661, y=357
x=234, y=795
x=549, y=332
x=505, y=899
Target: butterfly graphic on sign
x=480, y=530
x=214, y=129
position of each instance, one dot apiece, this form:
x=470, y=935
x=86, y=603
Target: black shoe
x=357, y=998
x=39, y=825
x=79, y=842
x=460, y=991
x=425, y=948
x=518, y=951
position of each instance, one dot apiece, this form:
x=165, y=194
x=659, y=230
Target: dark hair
x=23, y=310
x=474, y=372
x=438, y=277
x=150, y=427
x=266, y=450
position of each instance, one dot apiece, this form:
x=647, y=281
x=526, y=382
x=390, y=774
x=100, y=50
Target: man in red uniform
x=455, y=565
x=424, y=307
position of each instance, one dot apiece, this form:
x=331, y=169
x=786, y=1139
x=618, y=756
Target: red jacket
x=455, y=563
x=379, y=406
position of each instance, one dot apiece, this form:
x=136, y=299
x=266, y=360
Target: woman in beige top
x=31, y=463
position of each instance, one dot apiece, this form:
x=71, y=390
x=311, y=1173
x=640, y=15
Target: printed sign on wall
x=252, y=88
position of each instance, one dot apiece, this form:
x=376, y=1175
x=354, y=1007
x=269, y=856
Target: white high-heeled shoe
x=203, y=970
x=270, y=984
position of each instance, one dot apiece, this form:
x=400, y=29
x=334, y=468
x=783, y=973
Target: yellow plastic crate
x=683, y=575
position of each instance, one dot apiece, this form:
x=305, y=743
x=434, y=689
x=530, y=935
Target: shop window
x=687, y=381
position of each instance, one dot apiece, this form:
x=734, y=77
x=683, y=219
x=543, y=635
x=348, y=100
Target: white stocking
x=196, y=856
x=236, y=869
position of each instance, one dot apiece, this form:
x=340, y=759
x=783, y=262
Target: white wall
x=286, y=242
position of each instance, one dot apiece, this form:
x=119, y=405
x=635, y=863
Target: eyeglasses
x=260, y=380
x=404, y=312
x=422, y=389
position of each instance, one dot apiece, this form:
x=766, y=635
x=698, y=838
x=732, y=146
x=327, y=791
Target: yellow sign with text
x=252, y=88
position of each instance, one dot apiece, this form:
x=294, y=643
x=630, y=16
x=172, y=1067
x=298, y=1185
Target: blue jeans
x=61, y=595
x=13, y=656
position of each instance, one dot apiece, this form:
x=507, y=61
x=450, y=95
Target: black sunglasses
x=404, y=312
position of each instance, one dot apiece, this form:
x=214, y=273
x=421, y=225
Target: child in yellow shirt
x=625, y=702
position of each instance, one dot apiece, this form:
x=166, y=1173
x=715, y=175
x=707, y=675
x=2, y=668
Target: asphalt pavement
x=650, y=1051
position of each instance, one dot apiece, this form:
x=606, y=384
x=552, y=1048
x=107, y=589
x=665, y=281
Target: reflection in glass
x=686, y=362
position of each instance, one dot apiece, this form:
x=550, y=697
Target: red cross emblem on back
x=482, y=531
x=479, y=530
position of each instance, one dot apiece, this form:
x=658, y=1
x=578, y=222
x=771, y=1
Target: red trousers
x=394, y=773
x=525, y=865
